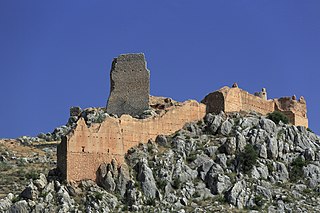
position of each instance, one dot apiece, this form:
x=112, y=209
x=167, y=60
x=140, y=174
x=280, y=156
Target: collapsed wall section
x=86, y=148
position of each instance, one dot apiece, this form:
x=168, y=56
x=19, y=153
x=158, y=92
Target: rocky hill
x=223, y=163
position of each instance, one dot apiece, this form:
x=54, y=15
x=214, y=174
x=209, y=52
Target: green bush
x=176, y=183
x=296, y=171
x=32, y=175
x=277, y=116
x=248, y=158
x=310, y=130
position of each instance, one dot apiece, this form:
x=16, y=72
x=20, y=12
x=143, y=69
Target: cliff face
x=216, y=164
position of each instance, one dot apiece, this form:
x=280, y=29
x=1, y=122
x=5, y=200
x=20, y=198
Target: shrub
x=310, y=130
x=296, y=171
x=98, y=195
x=32, y=175
x=248, y=158
x=277, y=116
x=192, y=157
x=176, y=183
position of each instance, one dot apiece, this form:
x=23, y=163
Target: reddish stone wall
x=86, y=148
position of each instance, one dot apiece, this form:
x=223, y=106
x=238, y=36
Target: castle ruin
x=235, y=100
x=84, y=149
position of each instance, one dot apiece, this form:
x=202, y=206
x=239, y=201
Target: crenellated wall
x=82, y=151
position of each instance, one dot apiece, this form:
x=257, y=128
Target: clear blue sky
x=57, y=54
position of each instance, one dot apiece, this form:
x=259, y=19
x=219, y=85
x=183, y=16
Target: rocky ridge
x=221, y=163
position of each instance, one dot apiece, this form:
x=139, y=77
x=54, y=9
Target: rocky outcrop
x=217, y=164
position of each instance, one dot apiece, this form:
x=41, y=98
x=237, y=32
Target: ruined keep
x=235, y=100
x=130, y=85
x=86, y=147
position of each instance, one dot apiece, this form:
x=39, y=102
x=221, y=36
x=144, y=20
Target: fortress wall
x=87, y=147
x=300, y=120
x=233, y=100
x=239, y=100
x=253, y=103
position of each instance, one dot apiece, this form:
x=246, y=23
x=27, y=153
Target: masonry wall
x=253, y=103
x=86, y=148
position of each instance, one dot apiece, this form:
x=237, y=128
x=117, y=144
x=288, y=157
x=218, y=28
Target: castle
x=235, y=99
x=84, y=149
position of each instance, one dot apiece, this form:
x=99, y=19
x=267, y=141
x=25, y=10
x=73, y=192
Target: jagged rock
x=241, y=142
x=272, y=147
x=268, y=125
x=263, y=171
x=230, y=146
x=213, y=122
x=193, y=170
x=263, y=153
x=205, y=167
x=145, y=176
x=211, y=151
x=20, y=207
x=217, y=183
x=123, y=179
x=226, y=127
x=41, y=182
x=281, y=173
x=30, y=192
x=312, y=175
x=249, y=122
x=265, y=192
x=238, y=195
x=193, y=129
x=309, y=154
x=222, y=160
x=6, y=203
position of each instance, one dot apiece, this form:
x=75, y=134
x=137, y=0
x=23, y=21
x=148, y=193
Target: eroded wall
x=86, y=148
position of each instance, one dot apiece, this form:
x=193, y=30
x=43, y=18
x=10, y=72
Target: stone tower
x=262, y=94
x=130, y=85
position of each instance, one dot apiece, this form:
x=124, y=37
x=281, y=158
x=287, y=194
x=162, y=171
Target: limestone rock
x=312, y=174
x=268, y=125
x=130, y=86
x=213, y=122
x=41, y=182
x=145, y=176
x=30, y=192
x=238, y=194
x=226, y=127
x=20, y=207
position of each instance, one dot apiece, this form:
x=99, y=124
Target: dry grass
x=15, y=173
